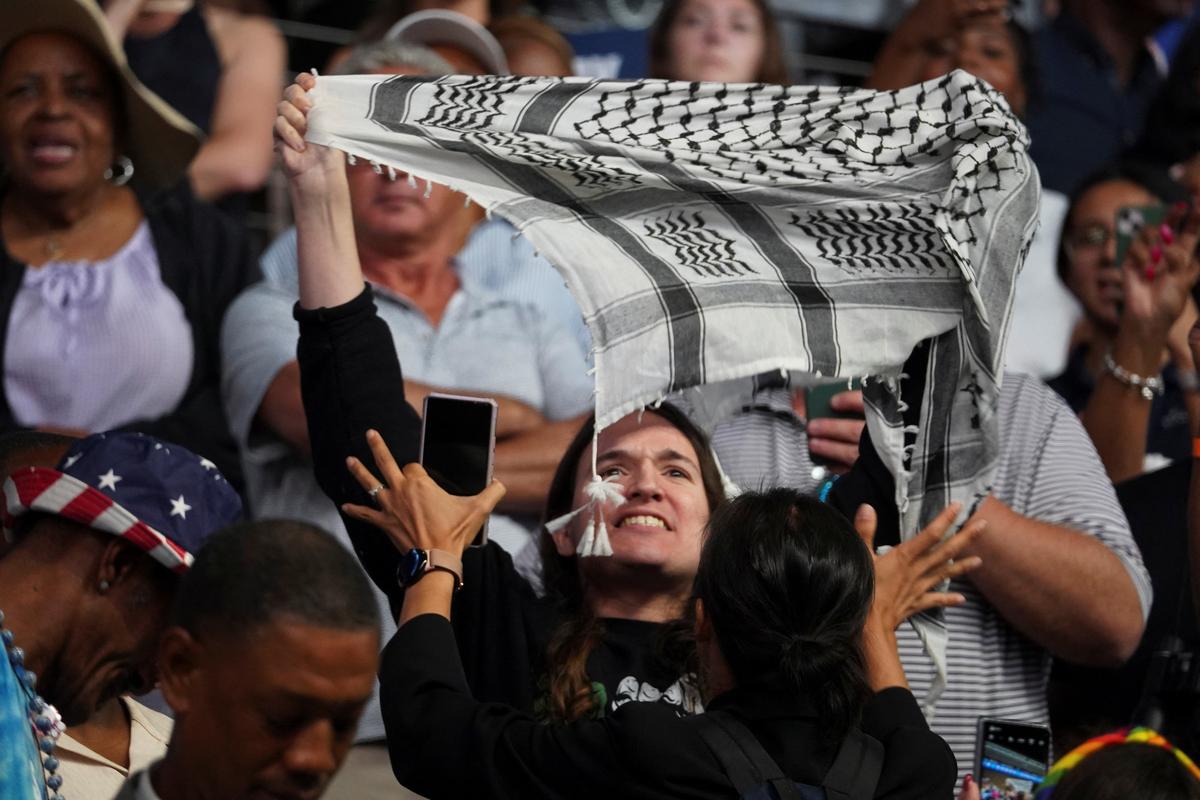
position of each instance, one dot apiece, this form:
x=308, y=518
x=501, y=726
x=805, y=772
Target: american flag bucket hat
x=160, y=497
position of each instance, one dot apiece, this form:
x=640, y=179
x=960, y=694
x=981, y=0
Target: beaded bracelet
x=1148, y=387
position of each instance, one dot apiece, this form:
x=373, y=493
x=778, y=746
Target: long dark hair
x=569, y=692
x=771, y=70
x=787, y=584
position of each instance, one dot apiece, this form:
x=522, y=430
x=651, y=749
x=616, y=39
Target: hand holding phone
x=833, y=433
x=1011, y=758
x=458, y=445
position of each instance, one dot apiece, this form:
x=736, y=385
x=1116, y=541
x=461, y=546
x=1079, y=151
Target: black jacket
x=204, y=260
x=446, y=744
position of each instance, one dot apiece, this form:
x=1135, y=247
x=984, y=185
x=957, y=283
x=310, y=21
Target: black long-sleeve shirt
x=446, y=744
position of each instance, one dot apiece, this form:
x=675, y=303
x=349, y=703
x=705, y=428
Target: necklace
x=45, y=722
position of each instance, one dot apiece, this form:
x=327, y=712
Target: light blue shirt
x=486, y=342
x=21, y=776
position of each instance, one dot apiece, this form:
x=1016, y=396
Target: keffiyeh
x=712, y=232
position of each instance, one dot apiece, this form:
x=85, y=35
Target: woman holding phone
x=601, y=635
x=1130, y=374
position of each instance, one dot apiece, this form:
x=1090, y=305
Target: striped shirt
x=1048, y=470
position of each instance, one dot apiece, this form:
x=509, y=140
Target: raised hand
x=413, y=510
x=906, y=575
x=312, y=169
x=1157, y=276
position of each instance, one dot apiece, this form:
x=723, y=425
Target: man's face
x=275, y=708
x=386, y=209
x=114, y=642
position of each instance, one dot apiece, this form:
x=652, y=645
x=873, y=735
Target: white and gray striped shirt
x=1048, y=470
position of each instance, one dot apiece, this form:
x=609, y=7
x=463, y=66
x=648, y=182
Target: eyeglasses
x=1088, y=240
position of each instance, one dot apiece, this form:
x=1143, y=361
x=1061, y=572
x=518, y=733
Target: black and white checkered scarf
x=712, y=232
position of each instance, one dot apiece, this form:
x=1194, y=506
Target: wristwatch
x=416, y=563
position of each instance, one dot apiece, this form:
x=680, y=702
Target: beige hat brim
x=440, y=26
x=160, y=141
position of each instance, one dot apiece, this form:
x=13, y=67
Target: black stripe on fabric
x=679, y=306
x=541, y=115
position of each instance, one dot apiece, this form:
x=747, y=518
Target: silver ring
x=374, y=493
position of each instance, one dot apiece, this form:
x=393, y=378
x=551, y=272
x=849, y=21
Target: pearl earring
x=104, y=586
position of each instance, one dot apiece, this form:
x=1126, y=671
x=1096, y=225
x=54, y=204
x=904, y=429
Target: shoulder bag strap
x=743, y=758
x=856, y=768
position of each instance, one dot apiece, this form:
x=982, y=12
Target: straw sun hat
x=159, y=140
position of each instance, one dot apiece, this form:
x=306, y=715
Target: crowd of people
x=224, y=574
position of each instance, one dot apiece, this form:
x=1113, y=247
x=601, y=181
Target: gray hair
x=384, y=54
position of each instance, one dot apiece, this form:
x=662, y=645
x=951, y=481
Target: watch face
x=412, y=565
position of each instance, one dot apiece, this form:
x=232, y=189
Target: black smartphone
x=458, y=445
x=817, y=404
x=817, y=398
x=1011, y=758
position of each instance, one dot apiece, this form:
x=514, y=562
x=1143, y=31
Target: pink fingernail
x=1150, y=273
x=1168, y=235
x=1155, y=254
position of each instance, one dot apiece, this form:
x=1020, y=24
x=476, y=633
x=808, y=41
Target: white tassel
x=391, y=173
x=558, y=523
x=467, y=201
x=428, y=189
x=604, y=490
x=602, y=547
x=375, y=165
x=351, y=159
x=412, y=182
x=588, y=540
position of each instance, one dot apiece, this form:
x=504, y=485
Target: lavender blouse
x=96, y=345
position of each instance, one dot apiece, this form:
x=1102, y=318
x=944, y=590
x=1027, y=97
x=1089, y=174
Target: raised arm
x=1158, y=274
x=349, y=371
x=236, y=156
x=905, y=579
x=330, y=272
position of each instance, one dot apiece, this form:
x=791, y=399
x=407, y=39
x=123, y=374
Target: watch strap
x=447, y=562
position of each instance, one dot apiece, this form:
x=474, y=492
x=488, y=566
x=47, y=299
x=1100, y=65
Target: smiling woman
x=111, y=276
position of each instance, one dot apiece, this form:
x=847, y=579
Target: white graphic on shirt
x=683, y=693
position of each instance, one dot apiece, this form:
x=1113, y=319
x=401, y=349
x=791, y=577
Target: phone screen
x=457, y=442
x=1013, y=759
x=1130, y=221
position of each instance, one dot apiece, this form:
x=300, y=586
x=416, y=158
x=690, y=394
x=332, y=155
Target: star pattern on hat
x=109, y=480
x=204, y=462
x=179, y=508
x=70, y=462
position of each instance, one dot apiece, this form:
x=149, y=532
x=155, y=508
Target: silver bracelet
x=1147, y=386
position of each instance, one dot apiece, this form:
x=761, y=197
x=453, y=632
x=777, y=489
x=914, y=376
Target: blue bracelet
x=826, y=486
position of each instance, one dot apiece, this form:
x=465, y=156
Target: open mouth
x=52, y=152
x=643, y=521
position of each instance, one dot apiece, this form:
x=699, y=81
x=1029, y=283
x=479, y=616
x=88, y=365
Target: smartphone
x=458, y=445
x=817, y=398
x=1131, y=220
x=1011, y=758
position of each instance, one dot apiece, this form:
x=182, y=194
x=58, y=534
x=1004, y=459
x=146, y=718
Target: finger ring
x=374, y=493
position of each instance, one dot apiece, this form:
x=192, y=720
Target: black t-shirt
x=629, y=666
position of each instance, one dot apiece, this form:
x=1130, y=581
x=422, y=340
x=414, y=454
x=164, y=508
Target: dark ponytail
x=787, y=584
